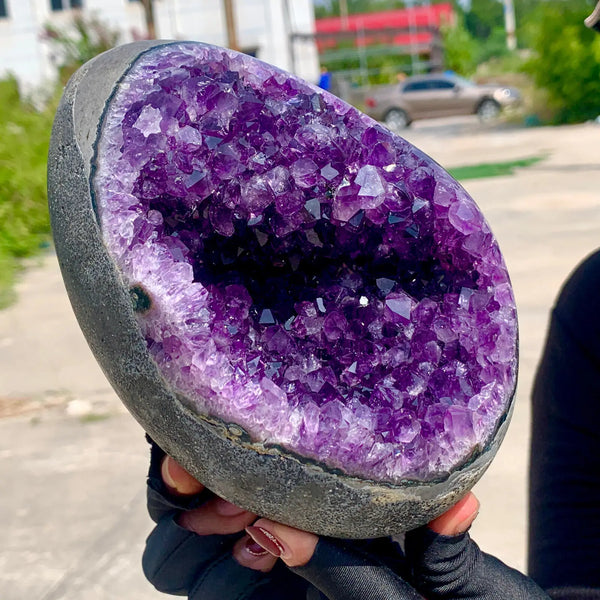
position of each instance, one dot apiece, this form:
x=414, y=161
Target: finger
x=250, y=554
x=293, y=546
x=177, y=479
x=217, y=516
x=457, y=519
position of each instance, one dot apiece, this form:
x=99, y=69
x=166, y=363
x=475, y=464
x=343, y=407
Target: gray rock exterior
x=268, y=482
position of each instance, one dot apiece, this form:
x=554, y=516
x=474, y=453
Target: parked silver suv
x=437, y=95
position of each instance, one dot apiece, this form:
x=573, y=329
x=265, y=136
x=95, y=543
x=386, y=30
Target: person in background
x=564, y=474
x=325, y=79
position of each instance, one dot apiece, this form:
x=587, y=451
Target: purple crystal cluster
x=302, y=272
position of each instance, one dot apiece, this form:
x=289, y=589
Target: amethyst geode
x=308, y=287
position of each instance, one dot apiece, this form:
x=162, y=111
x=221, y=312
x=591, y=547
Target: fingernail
x=469, y=509
x=458, y=518
x=226, y=509
x=463, y=515
x=254, y=549
x=166, y=473
x=266, y=540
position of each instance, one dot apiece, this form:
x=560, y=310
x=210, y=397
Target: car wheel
x=396, y=119
x=488, y=110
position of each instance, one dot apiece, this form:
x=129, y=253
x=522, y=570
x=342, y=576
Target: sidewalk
x=73, y=461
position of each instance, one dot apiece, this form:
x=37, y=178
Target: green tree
x=483, y=17
x=460, y=49
x=566, y=62
x=492, y=47
x=523, y=11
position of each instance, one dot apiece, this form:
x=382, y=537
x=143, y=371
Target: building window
x=3, y=11
x=56, y=5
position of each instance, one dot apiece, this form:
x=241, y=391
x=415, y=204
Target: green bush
x=494, y=47
x=383, y=63
x=460, y=49
x=24, y=139
x=24, y=220
x=566, y=61
x=79, y=42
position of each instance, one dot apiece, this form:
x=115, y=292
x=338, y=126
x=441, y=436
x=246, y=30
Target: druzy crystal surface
x=302, y=272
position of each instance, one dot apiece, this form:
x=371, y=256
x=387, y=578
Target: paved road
x=73, y=462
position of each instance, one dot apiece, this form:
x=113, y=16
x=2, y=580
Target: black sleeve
x=436, y=567
x=160, y=501
x=359, y=570
x=574, y=594
x=564, y=501
x=454, y=568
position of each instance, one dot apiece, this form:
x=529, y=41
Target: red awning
x=419, y=16
x=389, y=27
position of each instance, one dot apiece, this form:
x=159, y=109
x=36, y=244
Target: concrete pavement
x=73, y=461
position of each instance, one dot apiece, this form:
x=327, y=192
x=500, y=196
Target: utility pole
x=344, y=14
x=148, y=6
x=510, y=25
x=289, y=34
x=232, y=41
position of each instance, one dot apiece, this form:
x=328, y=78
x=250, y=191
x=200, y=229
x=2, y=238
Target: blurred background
x=72, y=510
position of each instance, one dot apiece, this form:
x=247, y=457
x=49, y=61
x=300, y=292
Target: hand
x=296, y=547
x=208, y=566
x=216, y=517
x=293, y=546
x=443, y=562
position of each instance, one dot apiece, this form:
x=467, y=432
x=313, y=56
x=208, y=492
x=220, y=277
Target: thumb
x=178, y=481
x=457, y=519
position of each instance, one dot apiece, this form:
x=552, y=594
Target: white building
x=264, y=28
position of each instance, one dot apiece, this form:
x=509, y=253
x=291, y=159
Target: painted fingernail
x=266, y=540
x=254, y=549
x=226, y=509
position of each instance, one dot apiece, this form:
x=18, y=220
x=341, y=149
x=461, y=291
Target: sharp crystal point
x=266, y=317
x=385, y=285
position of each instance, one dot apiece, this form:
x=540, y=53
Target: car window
x=440, y=84
x=416, y=86
x=428, y=84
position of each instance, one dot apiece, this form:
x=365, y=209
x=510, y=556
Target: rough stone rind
x=272, y=484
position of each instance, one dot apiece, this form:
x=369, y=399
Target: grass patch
x=24, y=219
x=492, y=169
x=8, y=268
